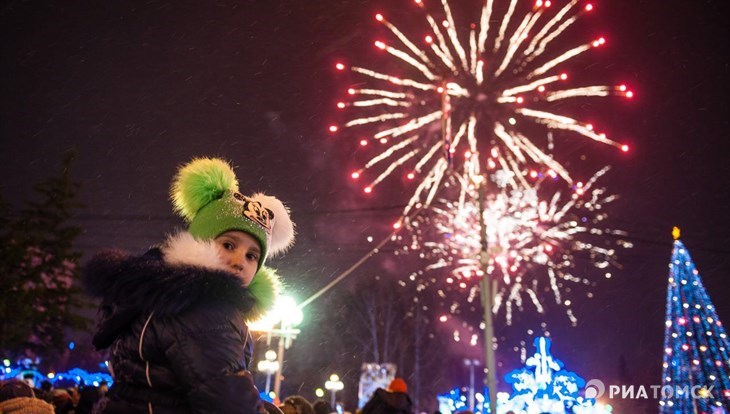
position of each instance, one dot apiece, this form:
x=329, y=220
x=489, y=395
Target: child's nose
x=237, y=263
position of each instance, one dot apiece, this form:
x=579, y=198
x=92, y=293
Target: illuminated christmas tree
x=696, y=375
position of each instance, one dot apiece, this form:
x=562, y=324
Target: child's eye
x=253, y=257
x=228, y=246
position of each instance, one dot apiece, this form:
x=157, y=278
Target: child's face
x=241, y=252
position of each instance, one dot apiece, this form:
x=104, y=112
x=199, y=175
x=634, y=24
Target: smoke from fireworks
x=468, y=88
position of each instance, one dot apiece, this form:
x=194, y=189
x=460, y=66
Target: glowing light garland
x=78, y=376
x=543, y=385
x=498, y=88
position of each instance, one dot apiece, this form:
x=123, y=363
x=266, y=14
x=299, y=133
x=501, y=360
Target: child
x=175, y=318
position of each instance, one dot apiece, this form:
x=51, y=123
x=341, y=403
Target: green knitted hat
x=205, y=193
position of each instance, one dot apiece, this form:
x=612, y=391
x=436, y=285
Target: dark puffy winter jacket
x=175, y=320
x=387, y=402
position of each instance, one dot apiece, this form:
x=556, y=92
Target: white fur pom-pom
x=282, y=235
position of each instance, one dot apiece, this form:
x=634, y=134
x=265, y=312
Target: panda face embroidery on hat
x=254, y=211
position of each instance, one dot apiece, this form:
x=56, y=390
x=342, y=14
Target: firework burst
x=490, y=84
x=531, y=238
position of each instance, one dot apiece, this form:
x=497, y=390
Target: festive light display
x=541, y=386
x=696, y=347
x=490, y=88
x=456, y=400
x=82, y=377
x=77, y=376
x=531, y=238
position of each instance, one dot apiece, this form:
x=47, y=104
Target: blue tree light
x=696, y=368
x=543, y=386
x=82, y=377
x=456, y=400
x=75, y=376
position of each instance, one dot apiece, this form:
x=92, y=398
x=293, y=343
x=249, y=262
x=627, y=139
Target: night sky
x=139, y=87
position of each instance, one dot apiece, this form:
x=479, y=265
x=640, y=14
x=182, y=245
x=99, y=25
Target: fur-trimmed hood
x=173, y=277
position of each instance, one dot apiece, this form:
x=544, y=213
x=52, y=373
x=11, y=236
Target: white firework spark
x=530, y=239
x=461, y=97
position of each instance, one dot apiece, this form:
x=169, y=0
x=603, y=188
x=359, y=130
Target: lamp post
x=487, y=300
x=486, y=284
x=287, y=315
x=334, y=384
x=269, y=365
x=471, y=363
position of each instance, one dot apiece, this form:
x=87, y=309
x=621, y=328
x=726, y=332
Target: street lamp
x=334, y=385
x=287, y=314
x=269, y=365
x=471, y=363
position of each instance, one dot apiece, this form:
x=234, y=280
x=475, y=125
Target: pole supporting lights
x=487, y=300
x=269, y=366
x=280, y=322
x=334, y=384
x=471, y=363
